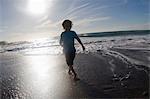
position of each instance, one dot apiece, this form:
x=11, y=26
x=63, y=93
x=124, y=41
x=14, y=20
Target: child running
x=67, y=42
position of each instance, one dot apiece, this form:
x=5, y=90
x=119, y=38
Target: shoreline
x=103, y=74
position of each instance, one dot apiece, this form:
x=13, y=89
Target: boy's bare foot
x=76, y=79
x=69, y=72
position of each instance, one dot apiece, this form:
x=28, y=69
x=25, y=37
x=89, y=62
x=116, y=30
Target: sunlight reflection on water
x=44, y=75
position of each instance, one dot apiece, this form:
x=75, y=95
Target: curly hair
x=67, y=24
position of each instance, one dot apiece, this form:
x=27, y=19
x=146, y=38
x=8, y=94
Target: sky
x=34, y=19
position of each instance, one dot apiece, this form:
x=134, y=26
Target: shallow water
x=41, y=75
x=92, y=44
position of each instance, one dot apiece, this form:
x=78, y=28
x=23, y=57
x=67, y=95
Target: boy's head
x=67, y=24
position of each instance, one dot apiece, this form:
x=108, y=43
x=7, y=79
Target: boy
x=67, y=42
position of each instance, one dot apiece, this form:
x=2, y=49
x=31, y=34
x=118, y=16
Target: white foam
x=92, y=44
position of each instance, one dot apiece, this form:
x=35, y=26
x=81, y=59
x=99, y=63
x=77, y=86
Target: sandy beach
x=113, y=73
x=110, y=40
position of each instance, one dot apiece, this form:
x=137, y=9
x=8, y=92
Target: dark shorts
x=69, y=58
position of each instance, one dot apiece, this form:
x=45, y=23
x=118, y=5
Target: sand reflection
x=44, y=76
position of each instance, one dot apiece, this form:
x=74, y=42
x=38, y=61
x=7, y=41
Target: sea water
x=93, y=43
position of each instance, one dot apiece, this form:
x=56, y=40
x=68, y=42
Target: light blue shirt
x=67, y=40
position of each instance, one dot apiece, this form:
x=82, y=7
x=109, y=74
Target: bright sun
x=37, y=6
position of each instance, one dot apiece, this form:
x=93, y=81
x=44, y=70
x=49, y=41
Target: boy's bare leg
x=75, y=75
x=69, y=72
x=71, y=69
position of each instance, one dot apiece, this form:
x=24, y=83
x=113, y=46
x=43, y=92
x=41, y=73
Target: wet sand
x=107, y=74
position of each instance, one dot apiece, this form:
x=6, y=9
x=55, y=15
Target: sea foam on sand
x=109, y=68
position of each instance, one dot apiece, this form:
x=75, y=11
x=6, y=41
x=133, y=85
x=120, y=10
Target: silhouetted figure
x=67, y=42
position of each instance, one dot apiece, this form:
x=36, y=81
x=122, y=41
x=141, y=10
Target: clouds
x=87, y=16
x=88, y=20
x=81, y=14
x=1, y=30
x=135, y=26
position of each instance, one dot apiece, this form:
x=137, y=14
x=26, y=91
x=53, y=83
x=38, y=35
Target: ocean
x=93, y=42
x=118, y=63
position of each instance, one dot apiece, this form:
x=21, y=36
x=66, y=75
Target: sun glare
x=37, y=6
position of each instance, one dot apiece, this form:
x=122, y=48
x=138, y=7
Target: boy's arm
x=78, y=39
x=60, y=41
